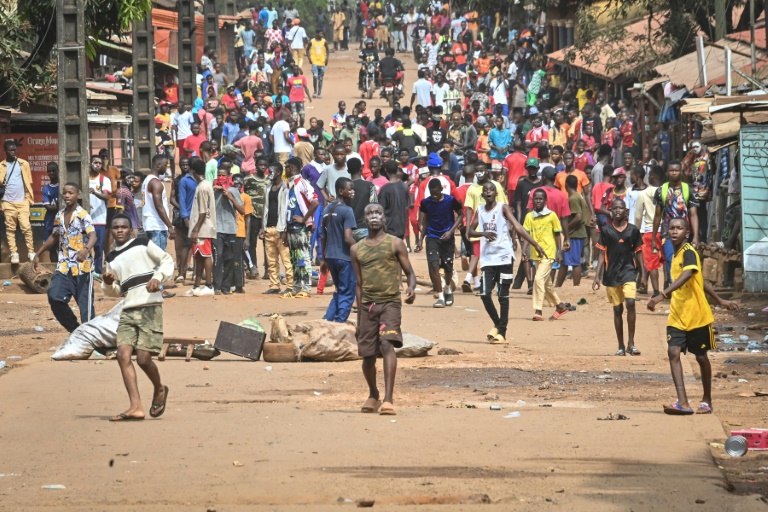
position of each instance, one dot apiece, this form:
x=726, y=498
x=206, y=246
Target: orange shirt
x=483, y=66
x=248, y=210
x=560, y=180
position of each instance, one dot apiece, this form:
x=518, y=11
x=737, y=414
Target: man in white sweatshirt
x=135, y=271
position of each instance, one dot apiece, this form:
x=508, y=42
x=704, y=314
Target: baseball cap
x=434, y=160
x=619, y=172
x=532, y=162
x=302, y=132
x=159, y=120
x=533, y=111
x=482, y=121
x=549, y=172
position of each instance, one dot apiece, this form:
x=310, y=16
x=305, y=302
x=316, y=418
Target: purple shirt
x=312, y=174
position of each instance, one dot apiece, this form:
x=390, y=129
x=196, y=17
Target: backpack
x=665, y=191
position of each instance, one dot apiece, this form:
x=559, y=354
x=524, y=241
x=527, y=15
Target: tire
x=369, y=92
x=392, y=98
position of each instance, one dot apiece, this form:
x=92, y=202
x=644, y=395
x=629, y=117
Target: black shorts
x=440, y=253
x=378, y=322
x=496, y=276
x=698, y=341
x=183, y=232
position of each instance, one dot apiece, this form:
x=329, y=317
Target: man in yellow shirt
x=243, y=234
x=544, y=227
x=317, y=51
x=689, y=327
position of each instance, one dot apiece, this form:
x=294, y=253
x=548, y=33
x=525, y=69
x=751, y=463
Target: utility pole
x=752, y=36
x=211, y=25
x=187, y=58
x=71, y=102
x=720, y=20
x=143, y=94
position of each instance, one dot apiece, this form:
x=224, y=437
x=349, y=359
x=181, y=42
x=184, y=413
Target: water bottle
x=3, y=364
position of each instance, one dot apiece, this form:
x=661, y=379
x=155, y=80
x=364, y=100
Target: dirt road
x=240, y=436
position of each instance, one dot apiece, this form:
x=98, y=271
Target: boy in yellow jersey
x=318, y=51
x=544, y=227
x=690, y=318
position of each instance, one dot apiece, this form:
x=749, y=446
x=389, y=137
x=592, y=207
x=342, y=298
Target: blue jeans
x=344, y=282
x=98, y=249
x=669, y=253
x=316, y=239
x=160, y=238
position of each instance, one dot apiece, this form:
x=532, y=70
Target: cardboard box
x=757, y=438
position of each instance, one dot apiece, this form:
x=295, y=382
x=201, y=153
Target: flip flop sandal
x=370, y=406
x=157, y=410
x=124, y=417
x=620, y=352
x=677, y=410
x=538, y=318
x=387, y=411
x=704, y=408
x=288, y=295
x=633, y=351
x=558, y=314
x=302, y=295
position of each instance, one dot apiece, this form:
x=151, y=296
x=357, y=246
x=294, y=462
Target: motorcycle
x=391, y=91
x=369, y=77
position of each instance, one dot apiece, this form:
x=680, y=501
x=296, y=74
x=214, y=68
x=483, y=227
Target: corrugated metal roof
x=685, y=70
x=602, y=67
x=744, y=38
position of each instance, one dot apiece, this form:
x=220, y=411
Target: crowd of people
x=496, y=147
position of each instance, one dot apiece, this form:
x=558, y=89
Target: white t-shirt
x=278, y=132
x=98, y=212
x=422, y=88
x=296, y=35
x=14, y=188
x=439, y=92
x=456, y=26
x=499, y=89
x=183, y=123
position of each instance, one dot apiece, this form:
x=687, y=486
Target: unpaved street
x=238, y=436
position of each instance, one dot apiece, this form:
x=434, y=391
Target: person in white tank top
x=155, y=213
x=492, y=223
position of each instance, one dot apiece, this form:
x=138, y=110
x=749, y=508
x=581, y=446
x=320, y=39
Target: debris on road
x=614, y=417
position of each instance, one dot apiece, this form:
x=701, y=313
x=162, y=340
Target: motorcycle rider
x=391, y=68
x=369, y=53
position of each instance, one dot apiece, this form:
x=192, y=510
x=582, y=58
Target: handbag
x=5, y=181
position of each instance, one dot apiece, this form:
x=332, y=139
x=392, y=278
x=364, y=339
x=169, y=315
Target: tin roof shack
x=736, y=130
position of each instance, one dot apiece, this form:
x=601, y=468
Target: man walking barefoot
x=377, y=260
x=135, y=270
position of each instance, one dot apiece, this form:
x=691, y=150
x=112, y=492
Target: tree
x=28, y=39
x=672, y=27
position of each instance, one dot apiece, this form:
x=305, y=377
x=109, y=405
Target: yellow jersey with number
x=688, y=306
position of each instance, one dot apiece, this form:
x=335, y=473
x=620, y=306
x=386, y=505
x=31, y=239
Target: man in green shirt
x=255, y=186
x=577, y=227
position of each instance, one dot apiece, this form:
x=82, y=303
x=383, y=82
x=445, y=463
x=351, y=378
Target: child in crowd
x=243, y=234
x=689, y=326
x=136, y=270
x=621, y=244
x=544, y=227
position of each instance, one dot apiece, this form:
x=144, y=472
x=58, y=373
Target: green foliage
x=28, y=37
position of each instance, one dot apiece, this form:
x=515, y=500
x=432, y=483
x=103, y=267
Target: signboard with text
x=38, y=149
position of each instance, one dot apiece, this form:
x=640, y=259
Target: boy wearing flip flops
x=135, y=271
x=622, y=247
x=544, y=227
x=689, y=327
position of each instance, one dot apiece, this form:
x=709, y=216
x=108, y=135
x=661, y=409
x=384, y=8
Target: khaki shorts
x=618, y=294
x=378, y=322
x=141, y=328
x=382, y=35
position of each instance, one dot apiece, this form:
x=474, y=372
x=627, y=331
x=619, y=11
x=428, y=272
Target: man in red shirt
x=537, y=136
x=229, y=100
x=557, y=201
x=250, y=144
x=435, y=165
x=368, y=150
x=191, y=145
x=298, y=91
x=514, y=167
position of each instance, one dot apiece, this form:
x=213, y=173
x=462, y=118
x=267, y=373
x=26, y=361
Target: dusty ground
x=446, y=450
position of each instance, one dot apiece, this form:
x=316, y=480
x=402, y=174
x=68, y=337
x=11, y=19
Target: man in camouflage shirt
x=255, y=186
